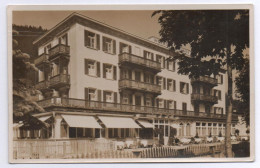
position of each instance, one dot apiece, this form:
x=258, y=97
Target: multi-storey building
x=99, y=81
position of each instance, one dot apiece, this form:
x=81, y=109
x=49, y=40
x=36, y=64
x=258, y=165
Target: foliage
x=23, y=103
x=196, y=136
x=243, y=91
x=209, y=34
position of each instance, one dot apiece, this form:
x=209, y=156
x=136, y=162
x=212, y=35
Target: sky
x=139, y=23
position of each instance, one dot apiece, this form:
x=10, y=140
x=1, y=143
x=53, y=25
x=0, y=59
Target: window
x=171, y=104
x=209, y=128
x=148, y=55
x=138, y=76
x=188, y=130
x=184, y=88
x=198, y=129
x=170, y=65
x=108, y=96
x=41, y=75
x=109, y=45
x=148, y=78
x=148, y=101
x=109, y=71
x=203, y=129
x=47, y=48
x=137, y=51
x=215, y=129
x=218, y=110
x=125, y=99
x=220, y=79
x=160, y=103
x=161, y=59
x=159, y=81
x=125, y=48
x=92, y=40
x=92, y=94
x=171, y=85
x=217, y=93
x=92, y=68
x=181, y=130
x=63, y=39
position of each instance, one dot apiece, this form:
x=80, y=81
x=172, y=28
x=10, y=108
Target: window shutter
x=144, y=100
x=187, y=87
x=104, y=44
x=152, y=56
x=174, y=85
x=163, y=60
x=87, y=40
x=157, y=80
x=145, y=54
x=114, y=46
x=219, y=94
x=115, y=97
x=86, y=66
x=168, y=84
x=130, y=49
x=180, y=87
x=86, y=94
x=104, y=96
x=130, y=74
x=174, y=65
x=98, y=69
x=115, y=73
x=98, y=41
x=164, y=83
x=120, y=48
x=167, y=64
x=222, y=111
x=175, y=105
x=215, y=110
x=221, y=79
x=168, y=104
x=157, y=103
x=157, y=58
x=104, y=70
x=165, y=104
x=99, y=95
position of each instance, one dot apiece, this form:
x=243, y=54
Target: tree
x=216, y=39
x=23, y=103
x=243, y=90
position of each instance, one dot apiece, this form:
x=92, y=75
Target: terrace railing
x=59, y=49
x=206, y=79
x=41, y=58
x=132, y=84
x=130, y=58
x=126, y=108
x=202, y=97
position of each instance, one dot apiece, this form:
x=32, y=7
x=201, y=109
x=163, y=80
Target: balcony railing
x=42, y=85
x=205, y=98
x=42, y=58
x=60, y=79
x=59, y=49
x=132, y=84
x=206, y=79
x=130, y=58
x=125, y=108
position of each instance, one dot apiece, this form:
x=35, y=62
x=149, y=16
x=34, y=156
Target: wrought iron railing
x=127, y=57
x=205, y=79
x=60, y=79
x=42, y=85
x=132, y=84
x=202, y=97
x=59, y=49
x=126, y=108
x=41, y=58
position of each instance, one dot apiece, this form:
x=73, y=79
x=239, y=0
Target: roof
x=89, y=22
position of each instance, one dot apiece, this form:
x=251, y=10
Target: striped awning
x=81, y=121
x=118, y=122
x=145, y=124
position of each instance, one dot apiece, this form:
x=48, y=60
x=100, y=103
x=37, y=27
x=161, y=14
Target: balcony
x=205, y=79
x=43, y=58
x=140, y=86
x=59, y=49
x=96, y=106
x=59, y=80
x=43, y=85
x=133, y=60
x=204, y=98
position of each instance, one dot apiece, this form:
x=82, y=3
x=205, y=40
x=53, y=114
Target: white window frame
x=92, y=95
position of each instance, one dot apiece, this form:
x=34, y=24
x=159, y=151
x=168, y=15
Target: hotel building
x=98, y=81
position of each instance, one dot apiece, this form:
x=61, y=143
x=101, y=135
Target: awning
x=146, y=124
x=44, y=118
x=118, y=122
x=175, y=126
x=81, y=121
x=17, y=125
